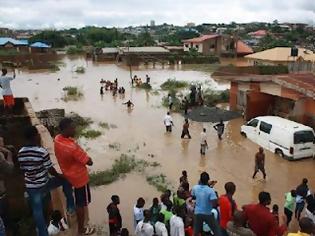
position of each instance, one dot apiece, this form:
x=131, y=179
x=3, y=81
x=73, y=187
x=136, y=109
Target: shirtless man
x=260, y=163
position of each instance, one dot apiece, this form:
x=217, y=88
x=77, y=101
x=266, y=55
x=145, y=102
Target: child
x=275, y=212
x=155, y=210
x=57, y=223
x=289, y=205
x=114, y=217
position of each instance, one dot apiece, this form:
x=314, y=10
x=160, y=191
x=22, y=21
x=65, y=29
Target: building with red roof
x=258, y=34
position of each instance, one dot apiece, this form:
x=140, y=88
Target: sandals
x=89, y=231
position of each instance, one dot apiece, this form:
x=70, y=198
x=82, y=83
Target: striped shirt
x=34, y=162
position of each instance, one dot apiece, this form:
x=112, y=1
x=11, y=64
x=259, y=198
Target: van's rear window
x=303, y=137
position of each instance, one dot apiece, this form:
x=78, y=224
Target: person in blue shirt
x=206, y=200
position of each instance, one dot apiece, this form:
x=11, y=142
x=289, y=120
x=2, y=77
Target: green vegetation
x=125, y=164
x=145, y=86
x=103, y=125
x=177, y=105
x=173, y=85
x=72, y=93
x=90, y=134
x=159, y=182
x=212, y=98
x=80, y=69
x=72, y=50
x=272, y=70
x=115, y=146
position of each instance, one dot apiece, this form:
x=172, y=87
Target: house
x=258, y=34
x=39, y=47
x=291, y=96
x=280, y=55
x=13, y=44
x=210, y=44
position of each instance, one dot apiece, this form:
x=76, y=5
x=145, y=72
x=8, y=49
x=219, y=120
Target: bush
x=90, y=134
x=72, y=50
x=173, y=84
x=272, y=70
x=72, y=93
x=145, y=86
x=212, y=98
x=159, y=181
x=80, y=69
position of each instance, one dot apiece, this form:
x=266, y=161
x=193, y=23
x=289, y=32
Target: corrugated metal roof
x=282, y=54
x=201, y=38
x=39, y=45
x=109, y=50
x=5, y=40
x=144, y=49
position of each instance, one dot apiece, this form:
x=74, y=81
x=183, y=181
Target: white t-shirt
x=137, y=215
x=160, y=229
x=203, y=138
x=170, y=100
x=177, y=226
x=52, y=229
x=144, y=229
x=168, y=120
x=5, y=84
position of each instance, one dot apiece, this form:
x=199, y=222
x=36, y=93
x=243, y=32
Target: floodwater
x=141, y=130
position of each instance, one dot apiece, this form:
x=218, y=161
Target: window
x=186, y=45
x=303, y=137
x=197, y=46
x=253, y=123
x=265, y=127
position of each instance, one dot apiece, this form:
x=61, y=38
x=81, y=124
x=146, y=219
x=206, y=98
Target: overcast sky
x=78, y=13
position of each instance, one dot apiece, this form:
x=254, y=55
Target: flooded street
x=142, y=131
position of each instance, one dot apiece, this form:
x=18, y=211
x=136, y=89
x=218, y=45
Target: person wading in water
x=260, y=163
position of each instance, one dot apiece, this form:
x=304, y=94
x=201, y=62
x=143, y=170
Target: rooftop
x=243, y=48
x=39, y=45
x=109, y=50
x=258, y=33
x=144, y=49
x=282, y=54
x=201, y=38
x=5, y=40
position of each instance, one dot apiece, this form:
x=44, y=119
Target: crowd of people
x=201, y=210
x=111, y=86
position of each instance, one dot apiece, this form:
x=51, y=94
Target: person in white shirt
x=203, y=142
x=144, y=227
x=8, y=99
x=168, y=122
x=170, y=102
x=138, y=211
x=177, y=227
x=160, y=228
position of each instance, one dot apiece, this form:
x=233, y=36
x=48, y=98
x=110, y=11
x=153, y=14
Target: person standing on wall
x=8, y=99
x=73, y=160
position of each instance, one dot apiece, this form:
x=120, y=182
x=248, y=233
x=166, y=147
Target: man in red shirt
x=72, y=160
x=227, y=205
x=260, y=220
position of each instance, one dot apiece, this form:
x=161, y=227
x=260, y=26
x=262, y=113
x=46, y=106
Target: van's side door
x=263, y=136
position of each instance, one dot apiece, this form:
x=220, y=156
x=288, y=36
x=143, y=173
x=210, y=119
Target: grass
x=173, y=84
x=125, y=164
x=212, y=98
x=177, y=106
x=72, y=50
x=103, y=125
x=80, y=70
x=72, y=93
x=90, y=134
x=159, y=182
x=115, y=146
x=145, y=86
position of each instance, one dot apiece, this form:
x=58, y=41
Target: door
x=303, y=144
x=263, y=136
x=250, y=129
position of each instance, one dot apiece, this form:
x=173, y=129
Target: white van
x=281, y=136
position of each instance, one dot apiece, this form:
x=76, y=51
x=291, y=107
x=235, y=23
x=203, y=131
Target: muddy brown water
x=229, y=160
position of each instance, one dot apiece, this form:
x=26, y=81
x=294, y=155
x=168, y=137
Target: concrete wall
x=233, y=96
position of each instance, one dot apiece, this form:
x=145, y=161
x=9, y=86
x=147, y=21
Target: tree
x=51, y=37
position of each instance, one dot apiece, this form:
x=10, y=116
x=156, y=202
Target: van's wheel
x=279, y=153
x=244, y=134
